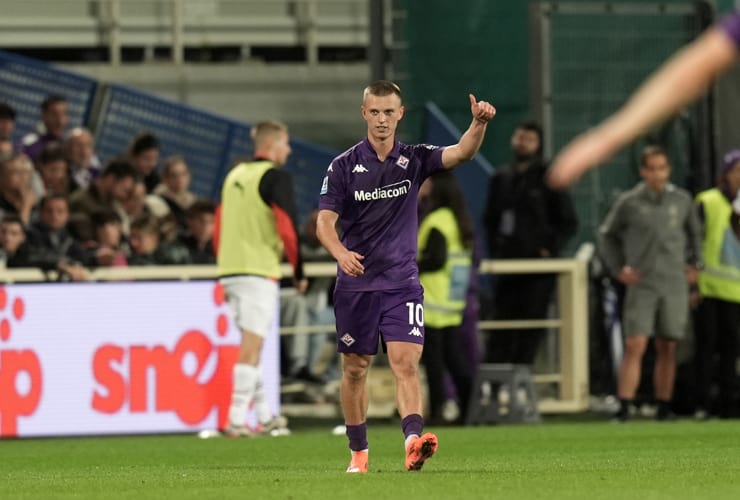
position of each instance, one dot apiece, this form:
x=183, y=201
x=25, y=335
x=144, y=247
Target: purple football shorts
x=390, y=315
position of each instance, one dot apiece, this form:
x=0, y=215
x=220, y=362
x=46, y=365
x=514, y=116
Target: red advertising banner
x=119, y=358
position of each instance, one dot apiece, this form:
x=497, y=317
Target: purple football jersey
x=377, y=207
x=730, y=24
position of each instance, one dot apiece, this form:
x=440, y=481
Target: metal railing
x=571, y=377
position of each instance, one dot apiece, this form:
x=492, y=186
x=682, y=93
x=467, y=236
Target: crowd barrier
x=180, y=340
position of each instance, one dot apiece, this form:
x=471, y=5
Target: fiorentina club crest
x=402, y=162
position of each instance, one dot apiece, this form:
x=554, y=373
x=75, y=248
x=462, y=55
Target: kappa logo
x=331, y=168
x=415, y=332
x=347, y=339
x=402, y=162
x=359, y=169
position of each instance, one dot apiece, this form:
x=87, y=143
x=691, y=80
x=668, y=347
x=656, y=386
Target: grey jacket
x=656, y=233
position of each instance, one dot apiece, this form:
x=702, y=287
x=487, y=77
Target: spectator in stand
x=109, y=247
x=16, y=194
x=52, y=247
x=198, y=238
x=7, y=121
x=84, y=165
x=174, y=188
x=54, y=120
x=13, y=246
x=6, y=147
x=108, y=191
x=147, y=247
x=52, y=174
x=144, y=155
x=140, y=203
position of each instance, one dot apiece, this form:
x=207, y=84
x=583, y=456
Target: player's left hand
x=481, y=110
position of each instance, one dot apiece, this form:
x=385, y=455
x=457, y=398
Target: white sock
x=246, y=378
x=408, y=439
x=261, y=407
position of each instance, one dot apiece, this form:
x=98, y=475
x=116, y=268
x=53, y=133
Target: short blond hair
x=265, y=129
x=382, y=88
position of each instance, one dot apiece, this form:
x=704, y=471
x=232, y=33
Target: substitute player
x=371, y=191
x=256, y=222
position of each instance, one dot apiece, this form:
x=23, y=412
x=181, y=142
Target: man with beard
x=524, y=219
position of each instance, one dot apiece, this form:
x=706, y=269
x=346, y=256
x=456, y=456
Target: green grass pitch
x=587, y=460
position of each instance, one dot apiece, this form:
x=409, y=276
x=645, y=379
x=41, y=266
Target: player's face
x=655, y=172
x=280, y=147
x=382, y=114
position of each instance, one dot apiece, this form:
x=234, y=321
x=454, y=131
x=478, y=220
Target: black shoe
x=621, y=416
x=665, y=416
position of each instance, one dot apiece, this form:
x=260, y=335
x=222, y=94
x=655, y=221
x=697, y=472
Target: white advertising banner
x=117, y=358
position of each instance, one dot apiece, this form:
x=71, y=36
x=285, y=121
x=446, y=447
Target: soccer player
x=257, y=211
x=679, y=81
x=370, y=190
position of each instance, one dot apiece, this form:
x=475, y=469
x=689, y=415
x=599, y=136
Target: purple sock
x=357, y=435
x=412, y=424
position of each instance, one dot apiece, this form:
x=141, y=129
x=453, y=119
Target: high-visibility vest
x=720, y=277
x=445, y=289
x=249, y=242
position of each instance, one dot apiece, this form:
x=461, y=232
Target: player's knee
x=405, y=368
x=634, y=346
x=355, y=373
x=355, y=367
